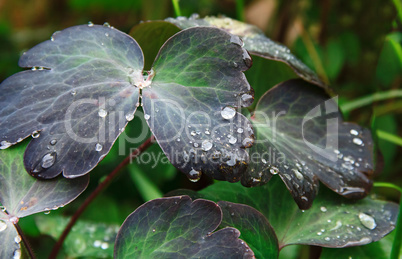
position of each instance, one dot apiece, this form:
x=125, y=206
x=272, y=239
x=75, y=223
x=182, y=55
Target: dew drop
x=193, y=133
x=3, y=225
x=106, y=24
x=354, y=132
x=247, y=142
x=367, y=221
x=104, y=245
x=273, y=170
x=246, y=98
x=97, y=243
x=232, y=140
x=35, y=134
x=228, y=113
x=319, y=233
x=263, y=160
x=17, y=254
x=17, y=239
x=195, y=144
x=107, y=34
x=207, y=132
x=194, y=175
x=206, y=145
x=327, y=238
x=4, y=144
x=129, y=117
x=98, y=147
x=323, y=209
x=357, y=141
x=298, y=174
x=102, y=113
x=146, y=116
x=90, y=24
x=73, y=92
x=53, y=142
x=46, y=212
x=240, y=130
x=48, y=160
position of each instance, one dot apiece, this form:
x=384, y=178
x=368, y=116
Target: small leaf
x=332, y=221
x=23, y=195
x=10, y=246
x=197, y=80
x=303, y=144
x=86, y=239
x=254, y=41
x=253, y=226
x=177, y=227
x=74, y=102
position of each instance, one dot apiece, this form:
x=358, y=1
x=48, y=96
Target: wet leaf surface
x=10, y=240
x=302, y=137
x=23, y=195
x=254, y=41
x=332, y=221
x=74, y=101
x=198, y=80
x=177, y=227
x=254, y=228
x=86, y=239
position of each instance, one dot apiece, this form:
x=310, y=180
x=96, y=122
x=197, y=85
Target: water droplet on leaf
x=53, y=142
x=232, y=140
x=4, y=144
x=357, y=141
x=194, y=175
x=354, y=132
x=3, y=225
x=48, y=159
x=98, y=147
x=228, y=113
x=146, y=116
x=35, y=134
x=206, y=145
x=323, y=209
x=367, y=221
x=129, y=117
x=102, y=113
x=17, y=239
x=90, y=24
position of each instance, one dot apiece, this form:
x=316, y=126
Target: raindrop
x=17, y=254
x=106, y=24
x=146, y=116
x=98, y=147
x=73, y=92
x=4, y=144
x=48, y=159
x=273, y=170
x=354, y=132
x=17, y=239
x=232, y=140
x=323, y=209
x=193, y=133
x=102, y=113
x=327, y=238
x=298, y=174
x=263, y=160
x=90, y=24
x=53, y=142
x=206, y=145
x=195, y=144
x=51, y=38
x=240, y=130
x=367, y=221
x=228, y=113
x=207, y=132
x=3, y=226
x=46, y=212
x=246, y=98
x=130, y=117
x=35, y=134
x=357, y=141
x=194, y=175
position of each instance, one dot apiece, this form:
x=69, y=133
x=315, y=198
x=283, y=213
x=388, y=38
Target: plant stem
x=176, y=7
x=25, y=241
x=396, y=244
x=398, y=7
x=389, y=137
x=347, y=107
x=240, y=10
x=102, y=186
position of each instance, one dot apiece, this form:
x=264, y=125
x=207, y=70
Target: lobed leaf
x=332, y=221
x=23, y=195
x=177, y=227
x=75, y=101
x=254, y=41
x=197, y=79
x=302, y=137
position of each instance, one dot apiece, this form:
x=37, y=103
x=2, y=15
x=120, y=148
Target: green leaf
x=390, y=61
x=303, y=144
x=332, y=221
x=177, y=227
x=86, y=239
x=254, y=41
x=23, y=195
x=197, y=80
x=254, y=228
x=74, y=101
x=10, y=240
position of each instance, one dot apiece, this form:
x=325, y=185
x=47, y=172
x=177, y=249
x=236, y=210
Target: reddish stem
x=102, y=186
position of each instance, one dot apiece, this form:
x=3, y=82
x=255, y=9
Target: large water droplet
x=129, y=117
x=4, y=144
x=102, y=113
x=98, y=147
x=35, y=134
x=206, y=145
x=228, y=113
x=3, y=225
x=48, y=159
x=367, y=221
x=194, y=175
x=354, y=132
x=357, y=141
